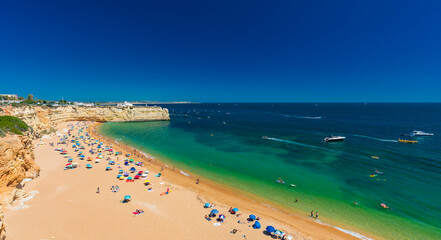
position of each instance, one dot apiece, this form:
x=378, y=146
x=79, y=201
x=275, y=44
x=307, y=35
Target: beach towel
x=164, y=193
x=216, y=224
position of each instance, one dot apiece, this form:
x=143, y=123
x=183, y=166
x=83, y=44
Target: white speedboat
x=334, y=139
x=420, y=134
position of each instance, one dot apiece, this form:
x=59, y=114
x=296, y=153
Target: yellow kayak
x=406, y=141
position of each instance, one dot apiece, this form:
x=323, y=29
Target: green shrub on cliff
x=13, y=125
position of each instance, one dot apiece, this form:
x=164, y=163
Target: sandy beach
x=66, y=204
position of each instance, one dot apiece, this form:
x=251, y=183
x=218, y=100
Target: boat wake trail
x=299, y=144
x=304, y=117
x=374, y=138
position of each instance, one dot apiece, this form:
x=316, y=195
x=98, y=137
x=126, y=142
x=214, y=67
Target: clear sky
x=222, y=51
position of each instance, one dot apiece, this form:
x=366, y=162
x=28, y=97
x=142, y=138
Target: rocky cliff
x=16, y=164
x=42, y=119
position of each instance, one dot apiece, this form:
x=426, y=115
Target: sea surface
x=223, y=142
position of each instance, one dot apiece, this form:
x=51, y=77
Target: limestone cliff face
x=16, y=164
x=41, y=119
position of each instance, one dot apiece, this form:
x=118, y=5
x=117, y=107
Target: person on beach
x=312, y=213
x=98, y=190
x=197, y=181
x=316, y=215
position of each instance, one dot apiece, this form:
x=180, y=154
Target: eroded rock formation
x=42, y=119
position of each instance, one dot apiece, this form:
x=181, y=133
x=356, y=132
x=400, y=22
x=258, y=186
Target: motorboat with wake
x=420, y=134
x=333, y=138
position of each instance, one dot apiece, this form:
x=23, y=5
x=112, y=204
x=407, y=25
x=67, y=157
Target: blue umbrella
x=256, y=225
x=127, y=197
x=270, y=229
x=235, y=209
x=89, y=165
x=214, y=211
x=207, y=205
x=253, y=217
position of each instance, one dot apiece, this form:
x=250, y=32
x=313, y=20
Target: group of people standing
x=316, y=214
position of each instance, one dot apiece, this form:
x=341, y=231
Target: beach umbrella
x=207, y=205
x=129, y=178
x=270, y=229
x=278, y=232
x=214, y=211
x=221, y=216
x=256, y=225
x=70, y=160
x=108, y=168
x=252, y=217
x=235, y=209
x=127, y=197
x=289, y=237
x=89, y=165
x=119, y=176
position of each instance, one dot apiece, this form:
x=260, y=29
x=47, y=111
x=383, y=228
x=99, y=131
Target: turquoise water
x=224, y=142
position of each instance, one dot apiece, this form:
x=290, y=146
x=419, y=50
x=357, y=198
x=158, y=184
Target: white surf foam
x=184, y=173
x=352, y=233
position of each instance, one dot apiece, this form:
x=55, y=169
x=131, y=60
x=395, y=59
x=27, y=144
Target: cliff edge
x=42, y=119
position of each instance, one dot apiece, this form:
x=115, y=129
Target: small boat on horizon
x=333, y=138
x=406, y=141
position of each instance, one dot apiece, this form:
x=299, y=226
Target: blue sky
x=222, y=51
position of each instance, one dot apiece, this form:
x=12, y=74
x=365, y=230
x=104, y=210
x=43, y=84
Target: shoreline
x=289, y=218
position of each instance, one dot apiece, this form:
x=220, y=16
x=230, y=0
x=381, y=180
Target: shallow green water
x=228, y=148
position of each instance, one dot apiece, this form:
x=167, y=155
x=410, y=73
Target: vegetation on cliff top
x=13, y=125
